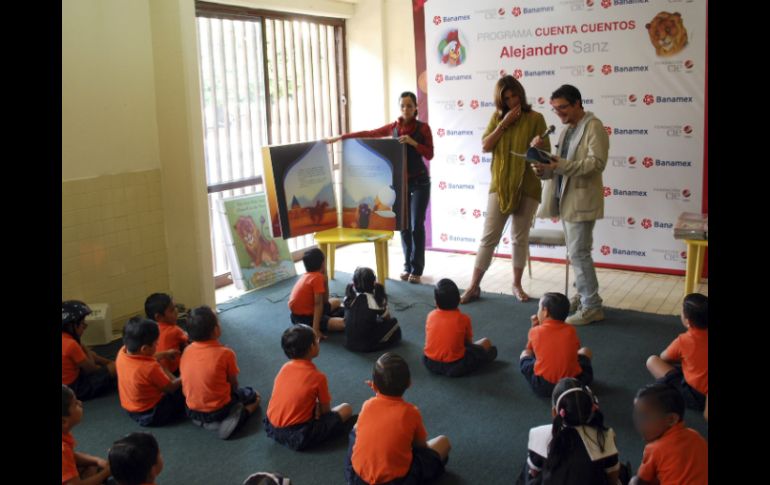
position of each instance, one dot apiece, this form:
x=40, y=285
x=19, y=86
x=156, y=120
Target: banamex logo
x=476, y=213
x=440, y=132
x=437, y=20
x=607, y=191
x=649, y=99
x=476, y=159
x=646, y=223
x=442, y=185
x=648, y=162
x=474, y=103
x=443, y=237
x=606, y=69
x=517, y=73
x=605, y=250
x=606, y=3
x=439, y=78
x=516, y=11
x=608, y=129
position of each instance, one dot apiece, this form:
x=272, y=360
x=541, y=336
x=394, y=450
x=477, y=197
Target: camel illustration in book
x=317, y=212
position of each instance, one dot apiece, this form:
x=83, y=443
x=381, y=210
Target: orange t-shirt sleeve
x=69, y=469
x=317, y=283
x=232, y=364
x=530, y=336
x=647, y=470
x=77, y=354
x=674, y=351
x=420, y=433
x=324, y=396
x=158, y=378
x=468, y=328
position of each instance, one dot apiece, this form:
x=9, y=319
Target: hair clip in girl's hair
x=563, y=413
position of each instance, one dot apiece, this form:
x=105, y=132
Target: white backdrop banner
x=650, y=96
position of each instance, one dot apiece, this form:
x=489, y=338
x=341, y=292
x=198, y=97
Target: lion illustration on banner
x=667, y=33
x=260, y=249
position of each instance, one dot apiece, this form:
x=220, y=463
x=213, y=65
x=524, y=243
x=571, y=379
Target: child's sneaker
x=228, y=425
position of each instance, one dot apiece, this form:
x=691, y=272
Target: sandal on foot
x=469, y=297
x=520, y=294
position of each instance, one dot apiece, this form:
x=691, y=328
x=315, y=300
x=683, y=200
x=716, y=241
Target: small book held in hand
x=535, y=155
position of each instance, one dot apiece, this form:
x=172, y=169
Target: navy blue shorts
x=426, y=466
x=475, y=356
x=244, y=395
x=693, y=399
x=542, y=387
x=94, y=384
x=325, y=316
x=302, y=436
x=169, y=409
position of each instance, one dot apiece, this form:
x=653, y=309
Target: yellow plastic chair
x=329, y=239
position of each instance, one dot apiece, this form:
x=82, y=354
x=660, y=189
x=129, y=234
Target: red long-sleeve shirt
x=425, y=149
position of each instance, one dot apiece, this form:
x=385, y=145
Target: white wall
x=108, y=93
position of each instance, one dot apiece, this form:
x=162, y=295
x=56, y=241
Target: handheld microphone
x=547, y=132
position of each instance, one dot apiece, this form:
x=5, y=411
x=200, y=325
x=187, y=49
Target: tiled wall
x=113, y=243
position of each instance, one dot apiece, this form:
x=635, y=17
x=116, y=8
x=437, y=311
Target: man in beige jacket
x=574, y=192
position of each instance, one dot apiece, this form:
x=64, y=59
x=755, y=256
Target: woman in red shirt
x=419, y=140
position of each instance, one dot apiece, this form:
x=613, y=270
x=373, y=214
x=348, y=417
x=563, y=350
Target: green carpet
x=486, y=416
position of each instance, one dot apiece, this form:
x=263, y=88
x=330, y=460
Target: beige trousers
x=493, y=228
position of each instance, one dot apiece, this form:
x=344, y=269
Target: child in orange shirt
x=553, y=349
x=88, y=375
x=692, y=350
x=300, y=415
x=674, y=455
x=136, y=459
x=449, y=346
x=161, y=308
x=209, y=374
x=388, y=443
x=149, y=393
x=77, y=468
x=309, y=302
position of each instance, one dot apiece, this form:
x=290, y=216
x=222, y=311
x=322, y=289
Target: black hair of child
x=132, y=458
x=202, y=322
x=578, y=408
x=664, y=397
x=557, y=305
x=447, y=294
x=391, y=374
x=364, y=281
x=297, y=340
x=140, y=331
x=313, y=259
x=695, y=308
x=156, y=304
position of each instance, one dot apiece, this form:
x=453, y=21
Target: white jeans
x=493, y=229
x=580, y=239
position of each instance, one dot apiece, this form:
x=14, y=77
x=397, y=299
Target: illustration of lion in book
x=260, y=249
x=667, y=33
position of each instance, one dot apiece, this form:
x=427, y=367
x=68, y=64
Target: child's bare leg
x=484, y=342
x=253, y=406
x=336, y=324
x=658, y=367
x=88, y=471
x=587, y=352
x=334, y=303
x=441, y=445
x=345, y=411
x=111, y=369
x=526, y=353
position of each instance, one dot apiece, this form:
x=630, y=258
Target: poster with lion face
x=667, y=33
x=256, y=258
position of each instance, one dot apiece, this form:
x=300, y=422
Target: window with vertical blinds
x=267, y=78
